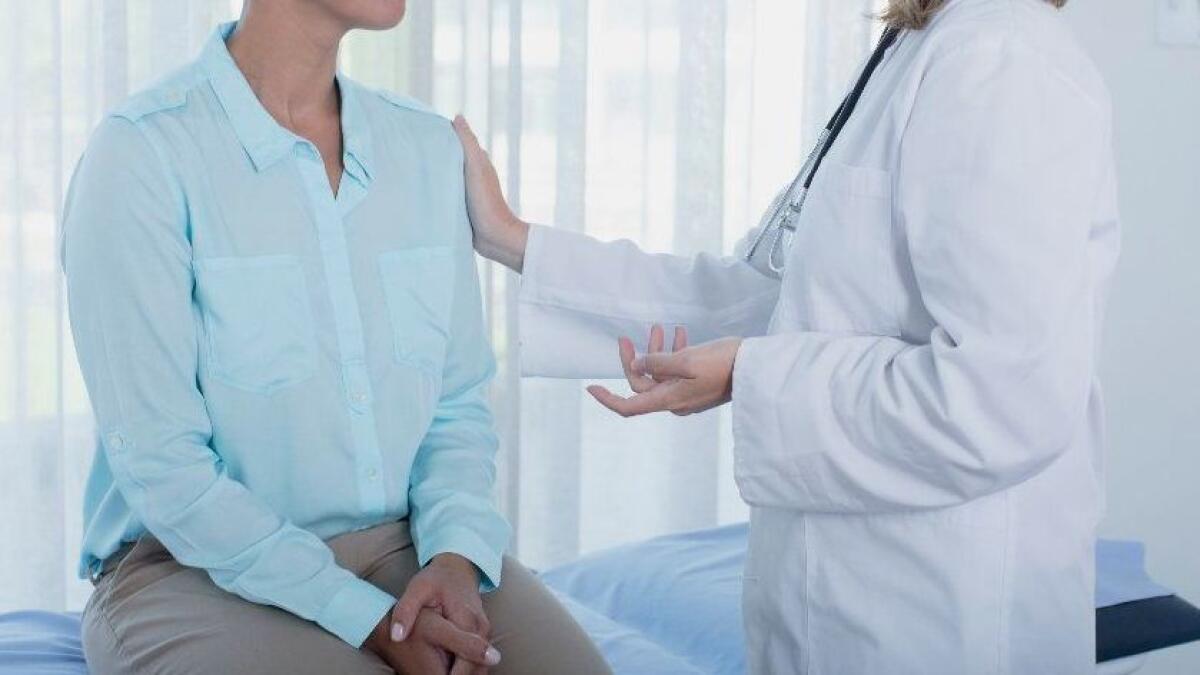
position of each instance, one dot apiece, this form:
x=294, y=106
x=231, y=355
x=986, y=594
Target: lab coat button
x=372, y=474
x=116, y=441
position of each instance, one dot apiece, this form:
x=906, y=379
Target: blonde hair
x=916, y=14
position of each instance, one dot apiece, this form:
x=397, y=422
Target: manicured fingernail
x=397, y=632
x=491, y=657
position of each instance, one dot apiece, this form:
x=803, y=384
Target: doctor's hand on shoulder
x=684, y=381
x=499, y=234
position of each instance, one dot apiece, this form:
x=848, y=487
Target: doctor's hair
x=916, y=14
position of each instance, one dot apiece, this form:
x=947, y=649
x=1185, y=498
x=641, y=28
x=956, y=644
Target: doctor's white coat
x=918, y=426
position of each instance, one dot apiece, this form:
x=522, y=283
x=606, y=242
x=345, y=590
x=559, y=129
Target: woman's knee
x=534, y=632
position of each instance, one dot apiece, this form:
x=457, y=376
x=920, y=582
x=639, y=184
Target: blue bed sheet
x=668, y=606
x=40, y=643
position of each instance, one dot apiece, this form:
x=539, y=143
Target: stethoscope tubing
x=781, y=221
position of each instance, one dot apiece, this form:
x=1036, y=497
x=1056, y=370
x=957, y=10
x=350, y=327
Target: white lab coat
x=918, y=426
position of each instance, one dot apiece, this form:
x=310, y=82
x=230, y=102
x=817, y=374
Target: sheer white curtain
x=670, y=122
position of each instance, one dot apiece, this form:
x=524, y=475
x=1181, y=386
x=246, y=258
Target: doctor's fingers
x=657, y=339
x=664, y=366
x=681, y=339
x=466, y=136
x=657, y=399
x=656, y=346
x=628, y=353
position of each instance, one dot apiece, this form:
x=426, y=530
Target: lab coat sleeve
x=997, y=183
x=129, y=280
x=451, y=486
x=579, y=294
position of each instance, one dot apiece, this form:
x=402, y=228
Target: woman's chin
x=370, y=14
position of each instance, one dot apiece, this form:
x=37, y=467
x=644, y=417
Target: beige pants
x=151, y=615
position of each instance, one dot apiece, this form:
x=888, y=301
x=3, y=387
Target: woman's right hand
x=434, y=646
x=498, y=234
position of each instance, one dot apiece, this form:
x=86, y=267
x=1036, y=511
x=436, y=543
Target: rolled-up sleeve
x=127, y=259
x=452, y=480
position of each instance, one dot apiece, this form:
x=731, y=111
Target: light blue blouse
x=271, y=365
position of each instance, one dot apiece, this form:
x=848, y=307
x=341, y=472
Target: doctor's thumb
x=466, y=135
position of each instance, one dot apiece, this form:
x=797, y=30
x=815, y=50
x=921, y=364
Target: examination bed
x=671, y=606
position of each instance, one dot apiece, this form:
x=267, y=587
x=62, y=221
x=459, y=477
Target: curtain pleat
x=550, y=481
x=671, y=122
x=699, y=213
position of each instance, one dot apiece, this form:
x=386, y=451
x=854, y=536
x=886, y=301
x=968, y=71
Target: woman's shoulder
x=400, y=121
x=170, y=92
x=398, y=108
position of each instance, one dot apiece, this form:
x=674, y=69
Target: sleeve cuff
x=530, y=265
x=470, y=546
x=355, y=610
x=764, y=473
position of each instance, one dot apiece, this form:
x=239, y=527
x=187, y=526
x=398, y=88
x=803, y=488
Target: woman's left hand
x=686, y=381
x=449, y=584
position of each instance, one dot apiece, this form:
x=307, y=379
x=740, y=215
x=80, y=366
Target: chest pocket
x=419, y=286
x=258, y=321
x=844, y=255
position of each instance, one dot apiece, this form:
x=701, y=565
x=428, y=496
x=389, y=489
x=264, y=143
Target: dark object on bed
x=1145, y=625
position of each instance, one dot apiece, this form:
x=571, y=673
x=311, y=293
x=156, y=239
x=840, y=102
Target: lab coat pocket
x=846, y=254
x=258, y=322
x=419, y=286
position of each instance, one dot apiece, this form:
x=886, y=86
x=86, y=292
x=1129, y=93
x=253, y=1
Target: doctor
x=917, y=420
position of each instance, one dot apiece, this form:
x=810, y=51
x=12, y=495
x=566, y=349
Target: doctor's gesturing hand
x=685, y=381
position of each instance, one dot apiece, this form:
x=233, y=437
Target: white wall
x=1151, y=366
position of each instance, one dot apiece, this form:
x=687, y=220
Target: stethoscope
x=779, y=226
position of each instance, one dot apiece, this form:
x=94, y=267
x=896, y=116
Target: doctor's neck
x=287, y=50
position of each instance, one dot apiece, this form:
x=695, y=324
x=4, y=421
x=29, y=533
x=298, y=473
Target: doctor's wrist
x=505, y=243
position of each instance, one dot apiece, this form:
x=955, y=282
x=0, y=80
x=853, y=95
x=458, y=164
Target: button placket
x=356, y=391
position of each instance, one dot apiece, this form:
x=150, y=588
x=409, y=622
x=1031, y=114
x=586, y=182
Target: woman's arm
x=451, y=491
x=584, y=293
x=451, y=487
x=130, y=283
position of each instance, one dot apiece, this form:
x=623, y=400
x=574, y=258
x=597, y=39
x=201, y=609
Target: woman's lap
x=152, y=615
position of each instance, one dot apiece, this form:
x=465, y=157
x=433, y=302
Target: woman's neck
x=287, y=50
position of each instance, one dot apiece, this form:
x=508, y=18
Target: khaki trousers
x=151, y=615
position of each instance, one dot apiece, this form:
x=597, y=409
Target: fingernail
x=491, y=657
x=397, y=632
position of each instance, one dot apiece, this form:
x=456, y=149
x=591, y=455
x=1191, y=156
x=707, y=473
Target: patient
x=276, y=310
